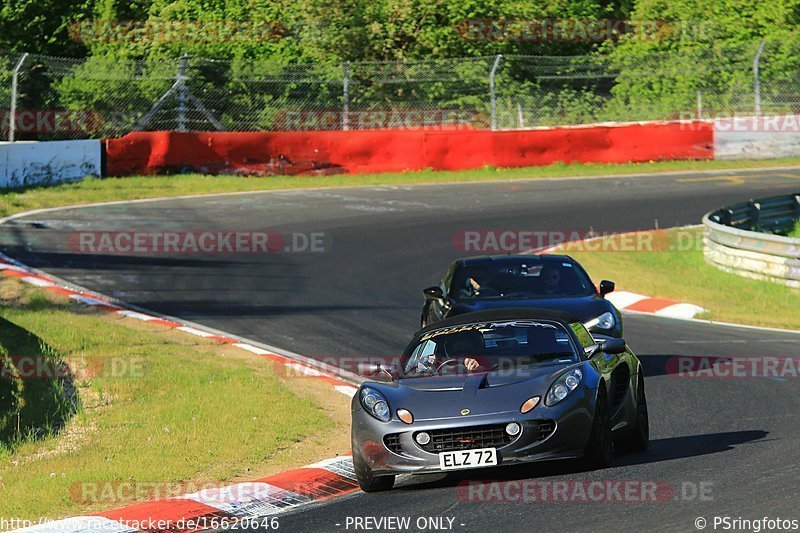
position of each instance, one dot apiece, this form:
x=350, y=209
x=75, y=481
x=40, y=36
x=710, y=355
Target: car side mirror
x=433, y=293
x=378, y=370
x=606, y=286
x=613, y=346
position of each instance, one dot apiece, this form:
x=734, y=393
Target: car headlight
x=604, y=321
x=375, y=404
x=563, y=386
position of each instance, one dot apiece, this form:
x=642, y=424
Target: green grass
x=683, y=275
x=148, y=407
x=795, y=232
x=109, y=189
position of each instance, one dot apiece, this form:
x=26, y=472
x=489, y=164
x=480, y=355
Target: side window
x=423, y=351
x=583, y=334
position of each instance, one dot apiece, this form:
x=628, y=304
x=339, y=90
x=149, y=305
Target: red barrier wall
x=306, y=152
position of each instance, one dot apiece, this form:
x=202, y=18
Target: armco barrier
x=24, y=164
x=733, y=246
x=303, y=152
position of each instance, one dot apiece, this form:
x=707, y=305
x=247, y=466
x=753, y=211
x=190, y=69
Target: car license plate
x=468, y=459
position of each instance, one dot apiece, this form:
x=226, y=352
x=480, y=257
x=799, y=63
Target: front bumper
x=572, y=418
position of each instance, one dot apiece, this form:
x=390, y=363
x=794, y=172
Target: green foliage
x=709, y=47
x=795, y=232
x=41, y=26
x=701, y=50
x=309, y=30
x=11, y=400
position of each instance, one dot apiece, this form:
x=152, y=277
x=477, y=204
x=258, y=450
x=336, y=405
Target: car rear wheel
x=638, y=438
x=366, y=480
x=601, y=444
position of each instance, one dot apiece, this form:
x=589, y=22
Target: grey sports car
x=497, y=388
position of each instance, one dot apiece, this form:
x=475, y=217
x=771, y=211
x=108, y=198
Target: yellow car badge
x=465, y=412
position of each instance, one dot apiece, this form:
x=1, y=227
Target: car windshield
x=491, y=345
x=534, y=277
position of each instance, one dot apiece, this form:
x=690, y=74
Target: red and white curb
x=210, y=508
x=238, y=504
x=639, y=303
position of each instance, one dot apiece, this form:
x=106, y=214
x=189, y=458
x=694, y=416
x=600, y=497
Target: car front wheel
x=638, y=438
x=366, y=480
x=600, y=447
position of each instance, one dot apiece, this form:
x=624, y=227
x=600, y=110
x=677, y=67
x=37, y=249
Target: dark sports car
x=542, y=281
x=498, y=388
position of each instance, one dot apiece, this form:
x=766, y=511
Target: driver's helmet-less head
x=551, y=277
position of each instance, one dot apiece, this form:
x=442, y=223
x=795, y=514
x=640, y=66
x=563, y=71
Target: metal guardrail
x=745, y=239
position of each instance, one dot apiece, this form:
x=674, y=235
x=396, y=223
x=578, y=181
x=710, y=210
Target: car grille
x=490, y=436
x=392, y=441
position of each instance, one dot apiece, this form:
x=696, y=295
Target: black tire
x=638, y=438
x=600, y=448
x=366, y=480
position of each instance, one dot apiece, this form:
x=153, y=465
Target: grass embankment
x=144, y=406
x=673, y=267
x=137, y=187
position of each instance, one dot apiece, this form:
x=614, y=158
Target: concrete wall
x=24, y=164
x=766, y=137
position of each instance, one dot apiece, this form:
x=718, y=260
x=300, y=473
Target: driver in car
x=552, y=281
x=465, y=347
x=461, y=348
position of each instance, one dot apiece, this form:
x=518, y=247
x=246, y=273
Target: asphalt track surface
x=734, y=440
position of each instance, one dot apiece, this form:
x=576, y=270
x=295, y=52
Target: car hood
x=583, y=307
x=484, y=393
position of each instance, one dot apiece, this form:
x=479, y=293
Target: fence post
x=492, y=95
x=699, y=104
x=756, y=79
x=12, y=119
x=182, y=97
x=346, y=96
